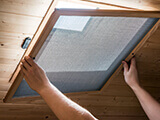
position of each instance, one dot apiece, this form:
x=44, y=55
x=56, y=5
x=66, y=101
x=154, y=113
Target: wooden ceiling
x=21, y=18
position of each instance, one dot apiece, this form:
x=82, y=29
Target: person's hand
x=34, y=75
x=131, y=74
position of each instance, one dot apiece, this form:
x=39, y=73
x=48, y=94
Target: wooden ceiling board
x=153, y=5
x=36, y=8
x=94, y=4
x=18, y=23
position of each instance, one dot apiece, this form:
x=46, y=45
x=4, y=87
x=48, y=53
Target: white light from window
x=75, y=23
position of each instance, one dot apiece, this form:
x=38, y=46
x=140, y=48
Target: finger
x=125, y=65
x=23, y=69
x=21, y=72
x=29, y=60
x=26, y=78
x=26, y=64
x=133, y=62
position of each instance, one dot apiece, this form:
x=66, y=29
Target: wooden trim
x=114, y=13
x=48, y=23
x=32, y=98
x=36, y=35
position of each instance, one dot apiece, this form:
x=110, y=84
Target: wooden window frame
x=47, y=25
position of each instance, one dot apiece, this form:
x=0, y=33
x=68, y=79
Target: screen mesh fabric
x=93, y=49
x=77, y=61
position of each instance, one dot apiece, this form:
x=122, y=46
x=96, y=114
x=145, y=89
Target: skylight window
x=82, y=54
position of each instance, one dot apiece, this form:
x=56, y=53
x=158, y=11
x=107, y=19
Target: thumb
x=125, y=66
x=133, y=62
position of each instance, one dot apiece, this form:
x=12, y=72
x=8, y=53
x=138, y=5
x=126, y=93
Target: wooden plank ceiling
x=20, y=19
